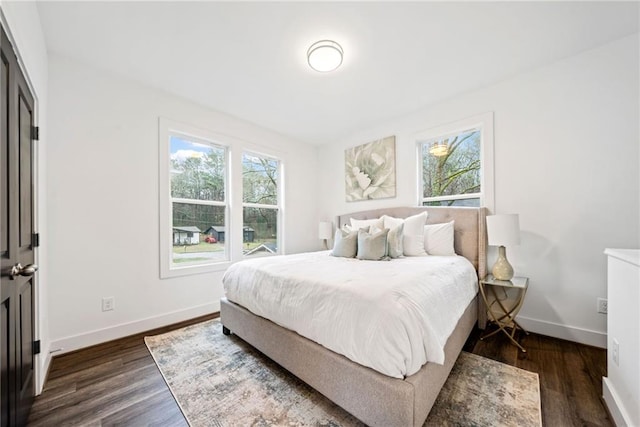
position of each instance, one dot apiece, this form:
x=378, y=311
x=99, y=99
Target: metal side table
x=502, y=315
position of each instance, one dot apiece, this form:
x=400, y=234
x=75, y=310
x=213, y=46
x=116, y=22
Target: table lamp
x=503, y=230
x=325, y=229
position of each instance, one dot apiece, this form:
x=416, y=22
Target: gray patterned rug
x=221, y=381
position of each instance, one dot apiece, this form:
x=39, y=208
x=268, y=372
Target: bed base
x=374, y=398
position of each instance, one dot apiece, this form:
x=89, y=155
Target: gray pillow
x=394, y=242
x=372, y=246
x=346, y=243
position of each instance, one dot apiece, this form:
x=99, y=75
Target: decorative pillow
x=372, y=246
x=357, y=224
x=391, y=222
x=346, y=243
x=438, y=239
x=394, y=241
x=349, y=228
x=398, y=245
x=412, y=233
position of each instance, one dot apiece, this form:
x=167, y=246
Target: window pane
x=451, y=165
x=259, y=180
x=462, y=202
x=198, y=234
x=260, y=231
x=197, y=170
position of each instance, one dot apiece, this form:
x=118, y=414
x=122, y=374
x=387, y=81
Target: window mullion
x=259, y=206
x=198, y=202
x=452, y=197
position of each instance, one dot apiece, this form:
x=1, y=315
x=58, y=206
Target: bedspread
x=392, y=316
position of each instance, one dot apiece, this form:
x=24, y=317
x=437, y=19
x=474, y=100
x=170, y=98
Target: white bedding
x=392, y=316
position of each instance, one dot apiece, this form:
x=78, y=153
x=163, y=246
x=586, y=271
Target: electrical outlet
x=615, y=352
x=107, y=304
x=603, y=305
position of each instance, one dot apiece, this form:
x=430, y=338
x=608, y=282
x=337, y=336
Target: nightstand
x=501, y=312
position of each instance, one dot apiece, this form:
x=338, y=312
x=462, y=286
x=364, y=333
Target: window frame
x=279, y=196
x=484, y=124
x=168, y=128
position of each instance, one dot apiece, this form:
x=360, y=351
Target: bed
x=373, y=397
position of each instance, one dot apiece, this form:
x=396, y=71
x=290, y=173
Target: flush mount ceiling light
x=325, y=56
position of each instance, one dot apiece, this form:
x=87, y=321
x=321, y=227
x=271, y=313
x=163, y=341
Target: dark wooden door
x=16, y=236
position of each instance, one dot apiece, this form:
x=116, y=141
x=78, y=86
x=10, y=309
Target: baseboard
x=565, y=332
x=76, y=342
x=616, y=409
x=43, y=370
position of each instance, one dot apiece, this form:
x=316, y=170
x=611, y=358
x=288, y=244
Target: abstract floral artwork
x=370, y=170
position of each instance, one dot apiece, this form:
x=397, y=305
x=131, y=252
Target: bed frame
x=374, y=398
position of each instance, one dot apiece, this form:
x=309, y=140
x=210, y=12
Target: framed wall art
x=370, y=170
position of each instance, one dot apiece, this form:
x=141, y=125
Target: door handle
x=19, y=270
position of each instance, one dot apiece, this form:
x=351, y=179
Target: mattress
x=391, y=316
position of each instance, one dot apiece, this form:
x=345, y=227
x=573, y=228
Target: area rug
x=220, y=381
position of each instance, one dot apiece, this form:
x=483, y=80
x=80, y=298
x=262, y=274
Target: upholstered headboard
x=470, y=239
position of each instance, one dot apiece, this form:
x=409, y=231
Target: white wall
x=24, y=29
x=566, y=159
x=621, y=386
x=103, y=188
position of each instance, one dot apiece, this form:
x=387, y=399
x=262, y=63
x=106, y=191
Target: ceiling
x=249, y=59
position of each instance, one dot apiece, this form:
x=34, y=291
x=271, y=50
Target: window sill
x=194, y=269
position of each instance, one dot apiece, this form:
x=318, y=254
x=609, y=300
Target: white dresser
x=621, y=386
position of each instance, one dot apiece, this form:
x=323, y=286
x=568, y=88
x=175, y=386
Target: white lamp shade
x=325, y=229
x=503, y=230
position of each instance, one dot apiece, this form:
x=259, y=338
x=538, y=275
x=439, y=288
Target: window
x=456, y=164
x=194, y=206
x=260, y=205
x=451, y=170
x=198, y=171
x=219, y=201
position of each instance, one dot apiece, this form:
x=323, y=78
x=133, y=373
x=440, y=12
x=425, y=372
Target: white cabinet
x=621, y=386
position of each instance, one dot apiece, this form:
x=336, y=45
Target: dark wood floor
x=118, y=383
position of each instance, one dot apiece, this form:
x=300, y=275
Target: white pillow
x=395, y=239
x=413, y=232
x=438, y=239
x=395, y=242
x=357, y=224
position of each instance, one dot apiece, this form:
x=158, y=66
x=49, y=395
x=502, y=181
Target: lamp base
x=502, y=270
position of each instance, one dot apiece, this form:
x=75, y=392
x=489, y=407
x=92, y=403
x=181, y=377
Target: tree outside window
x=261, y=200
x=451, y=169
x=198, y=200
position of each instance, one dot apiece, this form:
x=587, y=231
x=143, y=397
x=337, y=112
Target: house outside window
x=261, y=176
x=456, y=163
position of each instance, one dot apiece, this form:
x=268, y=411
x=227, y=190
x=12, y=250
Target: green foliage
x=202, y=177
x=260, y=185
x=199, y=177
x=201, y=216
x=263, y=221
